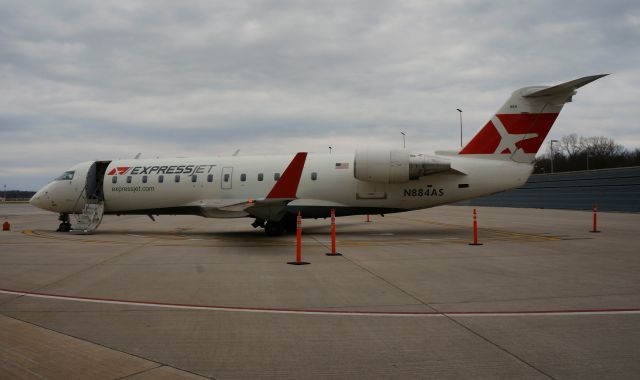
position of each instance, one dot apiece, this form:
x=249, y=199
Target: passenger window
x=144, y=179
x=194, y=178
x=210, y=178
x=276, y=176
x=243, y=177
x=114, y=179
x=314, y=176
x=160, y=178
x=177, y=178
x=226, y=177
x=128, y=179
x=260, y=176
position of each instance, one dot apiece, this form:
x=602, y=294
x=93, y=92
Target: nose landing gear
x=65, y=226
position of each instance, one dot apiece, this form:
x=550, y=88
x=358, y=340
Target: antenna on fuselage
x=137, y=156
x=236, y=152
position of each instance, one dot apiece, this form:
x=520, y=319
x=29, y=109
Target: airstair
x=90, y=218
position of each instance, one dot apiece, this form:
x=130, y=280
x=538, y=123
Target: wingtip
x=596, y=77
x=562, y=88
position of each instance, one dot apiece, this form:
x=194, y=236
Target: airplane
x=273, y=189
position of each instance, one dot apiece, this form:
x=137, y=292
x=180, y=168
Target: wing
x=273, y=206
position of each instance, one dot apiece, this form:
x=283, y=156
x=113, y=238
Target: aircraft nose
x=36, y=200
x=40, y=199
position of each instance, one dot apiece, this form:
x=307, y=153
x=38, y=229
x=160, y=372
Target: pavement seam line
x=499, y=347
x=139, y=372
x=453, y=320
x=450, y=319
x=371, y=272
x=2, y=304
x=160, y=364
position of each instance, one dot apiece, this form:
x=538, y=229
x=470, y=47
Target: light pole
x=460, y=111
x=5, y=192
x=552, y=141
x=404, y=145
x=587, y=160
x=329, y=150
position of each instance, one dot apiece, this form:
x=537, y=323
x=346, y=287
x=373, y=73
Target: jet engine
x=395, y=166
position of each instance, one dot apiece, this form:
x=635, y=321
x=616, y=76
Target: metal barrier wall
x=612, y=190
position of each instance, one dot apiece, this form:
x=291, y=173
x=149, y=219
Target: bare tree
x=580, y=153
x=600, y=146
x=570, y=145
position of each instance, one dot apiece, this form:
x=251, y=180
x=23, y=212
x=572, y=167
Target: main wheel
x=290, y=223
x=273, y=228
x=64, y=227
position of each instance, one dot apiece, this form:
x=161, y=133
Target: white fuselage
x=327, y=181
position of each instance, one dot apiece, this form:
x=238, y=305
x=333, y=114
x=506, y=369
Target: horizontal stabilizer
x=564, y=88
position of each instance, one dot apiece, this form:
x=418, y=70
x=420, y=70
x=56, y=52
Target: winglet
x=287, y=185
x=566, y=87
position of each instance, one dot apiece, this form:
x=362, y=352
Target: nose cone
x=42, y=199
x=38, y=200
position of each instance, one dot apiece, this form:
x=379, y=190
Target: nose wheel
x=65, y=226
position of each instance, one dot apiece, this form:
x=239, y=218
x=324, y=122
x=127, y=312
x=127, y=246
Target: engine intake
x=395, y=166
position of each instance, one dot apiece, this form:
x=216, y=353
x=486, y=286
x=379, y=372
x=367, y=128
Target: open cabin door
x=94, y=187
x=91, y=216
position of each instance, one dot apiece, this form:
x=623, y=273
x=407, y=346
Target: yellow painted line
x=67, y=238
x=480, y=230
x=166, y=239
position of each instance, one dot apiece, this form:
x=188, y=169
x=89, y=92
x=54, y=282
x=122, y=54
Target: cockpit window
x=66, y=176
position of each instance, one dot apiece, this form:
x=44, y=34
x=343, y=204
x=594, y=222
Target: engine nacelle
x=395, y=166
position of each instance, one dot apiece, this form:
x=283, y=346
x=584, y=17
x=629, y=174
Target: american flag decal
x=342, y=165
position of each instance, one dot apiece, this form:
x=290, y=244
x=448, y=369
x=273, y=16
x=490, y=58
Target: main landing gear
x=277, y=227
x=65, y=226
x=273, y=228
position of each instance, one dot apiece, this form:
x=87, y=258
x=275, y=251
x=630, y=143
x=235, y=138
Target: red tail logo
x=506, y=133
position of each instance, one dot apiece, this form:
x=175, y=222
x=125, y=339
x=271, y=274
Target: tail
x=520, y=126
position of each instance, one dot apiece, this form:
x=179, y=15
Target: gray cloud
x=85, y=80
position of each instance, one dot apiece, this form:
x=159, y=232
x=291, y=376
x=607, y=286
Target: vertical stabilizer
x=520, y=126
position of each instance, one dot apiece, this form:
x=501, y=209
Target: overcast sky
x=83, y=81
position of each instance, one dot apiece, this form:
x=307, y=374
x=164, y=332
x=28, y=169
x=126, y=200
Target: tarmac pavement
x=186, y=297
